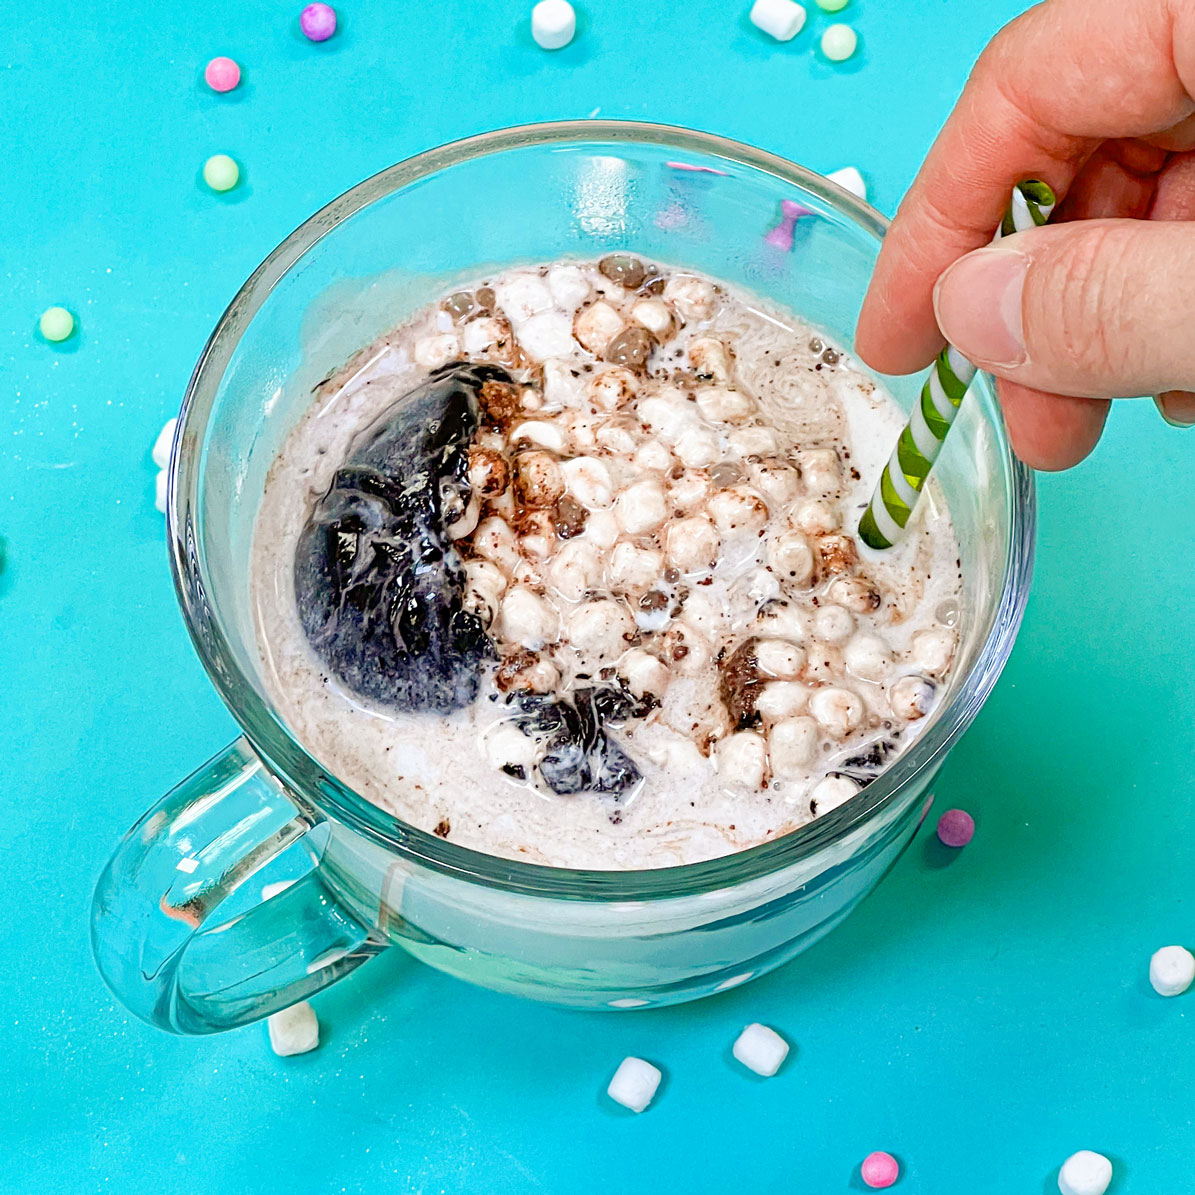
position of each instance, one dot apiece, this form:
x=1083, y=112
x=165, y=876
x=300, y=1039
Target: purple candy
x=318, y=22
x=956, y=827
x=793, y=211
x=781, y=237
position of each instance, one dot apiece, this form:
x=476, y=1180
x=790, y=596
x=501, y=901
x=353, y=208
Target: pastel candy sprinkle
x=56, y=323
x=956, y=827
x=318, y=22
x=832, y=5
x=221, y=173
x=880, y=1169
x=222, y=74
x=839, y=42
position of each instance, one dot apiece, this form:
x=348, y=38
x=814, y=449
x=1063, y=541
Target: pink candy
x=880, y=1169
x=222, y=74
x=956, y=828
x=318, y=22
x=781, y=237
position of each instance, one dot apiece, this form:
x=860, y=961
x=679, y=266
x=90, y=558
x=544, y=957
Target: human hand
x=1094, y=97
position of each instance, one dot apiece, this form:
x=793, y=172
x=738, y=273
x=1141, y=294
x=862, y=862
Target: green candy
x=56, y=323
x=839, y=42
x=832, y=5
x=221, y=173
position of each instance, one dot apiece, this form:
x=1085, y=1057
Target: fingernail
x=1177, y=407
x=978, y=305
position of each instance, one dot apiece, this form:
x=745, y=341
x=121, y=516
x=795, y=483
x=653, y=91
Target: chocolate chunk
x=443, y=828
x=622, y=268
x=378, y=583
x=740, y=685
x=501, y=401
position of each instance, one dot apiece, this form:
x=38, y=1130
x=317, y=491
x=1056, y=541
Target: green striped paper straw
x=904, y=476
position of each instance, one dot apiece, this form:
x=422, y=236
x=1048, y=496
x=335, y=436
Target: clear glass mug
x=180, y=934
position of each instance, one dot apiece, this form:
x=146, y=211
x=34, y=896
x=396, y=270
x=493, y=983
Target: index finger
x=1051, y=86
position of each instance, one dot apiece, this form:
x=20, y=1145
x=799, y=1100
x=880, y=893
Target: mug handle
x=152, y=932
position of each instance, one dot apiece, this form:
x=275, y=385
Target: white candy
x=688, y=491
x=613, y=388
x=932, y=649
x=634, y=1084
x=721, y=405
x=911, y=697
x=561, y=389
x=548, y=334
x=553, y=24
x=643, y=673
x=742, y=759
x=738, y=511
x=294, y=1030
x=697, y=448
x=782, y=620
x=791, y=557
x=632, y=567
x=641, y=507
x=668, y=415
x=466, y=521
x=581, y=431
x=868, y=656
x=839, y=711
x=778, y=483
x=522, y=296
x=602, y=529
x=830, y=793
x=653, y=457
x=569, y=286
x=696, y=654
x=616, y=438
x=708, y=357
x=1172, y=970
x=575, y=569
x=849, y=179
x=761, y=1049
x=597, y=325
x=792, y=743
x=434, y=351
x=164, y=442
x=599, y=630
x=587, y=479
x=494, y=541
x=1085, y=1173
x=855, y=594
x=781, y=19
x=816, y=518
x=654, y=316
x=507, y=746
x=753, y=441
x=781, y=699
x=777, y=658
x=820, y=471
x=538, y=478
x=161, y=489
x=527, y=619
x=692, y=297
x=539, y=431
x=692, y=544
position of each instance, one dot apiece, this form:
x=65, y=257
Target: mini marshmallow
x=433, y=351
x=696, y=448
x=779, y=659
x=569, y=286
x=539, y=431
x=635, y=568
x=161, y=490
x=506, y=746
x=689, y=491
x=816, y=518
x=667, y=415
x=538, y=478
x=575, y=569
x=596, y=326
x=781, y=620
x=911, y=697
x=653, y=457
x=641, y=507
x=830, y=793
x=494, y=541
x=613, y=388
x=820, y=471
x=780, y=699
x=721, y=405
x=868, y=656
x=634, y=1084
x=581, y=432
x=481, y=334
x=781, y=19
x=294, y=1030
x=691, y=544
x=653, y=314
x=602, y=529
x=1085, y=1173
x=616, y=438
x=466, y=521
x=755, y=589
x=839, y=711
x=791, y=557
x=742, y=759
x=553, y=24
x=600, y=630
x=643, y=673
x=932, y=649
x=855, y=594
x=708, y=357
x=792, y=744
x=526, y=618
x=849, y=179
x=1172, y=970
x=164, y=442
x=537, y=534
x=753, y=441
x=738, y=511
x=547, y=334
x=521, y=296
x=692, y=297
x=689, y=651
x=778, y=483
x=587, y=479
x=760, y=1049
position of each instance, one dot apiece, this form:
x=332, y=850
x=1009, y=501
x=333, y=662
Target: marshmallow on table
x=634, y=1084
x=294, y=1030
x=553, y=23
x=162, y=445
x=161, y=487
x=781, y=19
x=849, y=179
x=1172, y=970
x=1085, y=1173
x=761, y=1049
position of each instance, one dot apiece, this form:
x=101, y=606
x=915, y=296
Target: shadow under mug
x=180, y=933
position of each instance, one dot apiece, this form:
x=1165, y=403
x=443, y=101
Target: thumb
x=1097, y=308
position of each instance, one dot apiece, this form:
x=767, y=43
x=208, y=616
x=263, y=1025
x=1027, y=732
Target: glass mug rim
x=296, y=768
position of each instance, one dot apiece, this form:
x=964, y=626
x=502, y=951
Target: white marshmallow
x=653, y=315
x=575, y=569
x=697, y=448
x=527, y=619
x=613, y=388
x=641, y=507
x=569, y=286
x=781, y=19
x=634, y=1084
x=539, y=431
x=911, y=697
x=161, y=489
x=587, y=479
x=466, y=521
x=692, y=297
x=779, y=483
x=581, y=432
x=538, y=478
x=522, y=296
x=653, y=457
x=792, y=743
x=164, y=442
x=689, y=651
x=932, y=649
x=760, y=1049
x=599, y=631
x=507, y=746
x=691, y=544
x=706, y=612
x=849, y=179
x=738, y=511
x=782, y=620
x=820, y=471
x=855, y=594
x=667, y=415
x=294, y=1030
x=485, y=576
x=722, y=405
x=791, y=557
x=481, y=334
x=779, y=659
x=561, y=389
x=1172, y=970
x=553, y=24
x=753, y=441
x=868, y=656
x=838, y=711
x=616, y=438
x=688, y=491
x=269, y=891
x=742, y=760
x=709, y=359
x=781, y=699
x=830, y=793
x=494, y=541
x=547, y=334
x=635, y=568
x=434, y=351
x=597, y=325
x=602, y=529
x=816, y=518
x=754, y=589
x=1085, y=1173
x=643, y=673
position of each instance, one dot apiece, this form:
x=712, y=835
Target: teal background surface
x=981, y=1016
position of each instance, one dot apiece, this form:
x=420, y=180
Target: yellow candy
x=221, y=173
x=56, y=323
